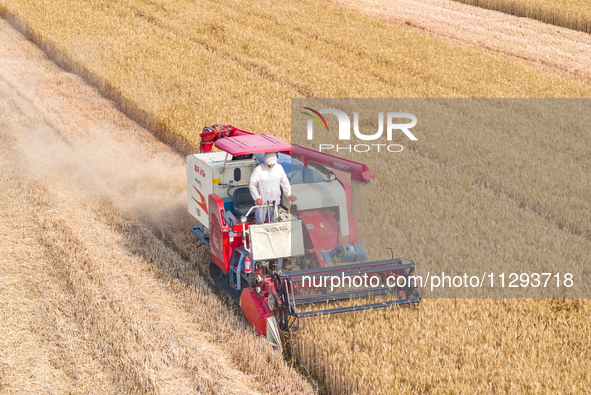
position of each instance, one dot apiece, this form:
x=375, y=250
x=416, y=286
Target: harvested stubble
x=572, y=14
x=94, y=303
x=99, y=284
x=188, y=64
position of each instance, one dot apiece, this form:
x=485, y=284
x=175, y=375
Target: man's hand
x=292, y=198
x=259, y=201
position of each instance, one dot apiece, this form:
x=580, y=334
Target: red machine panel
x=223, y=239
x=216, y=238
x=323, y=230
x=255, y=310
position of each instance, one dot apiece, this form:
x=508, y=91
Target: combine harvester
x=294, y=260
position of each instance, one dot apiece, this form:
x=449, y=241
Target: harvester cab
x=287, y=267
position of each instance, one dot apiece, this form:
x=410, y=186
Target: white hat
x=270, y=158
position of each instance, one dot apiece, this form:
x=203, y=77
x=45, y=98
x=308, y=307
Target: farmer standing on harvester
x=266, y=183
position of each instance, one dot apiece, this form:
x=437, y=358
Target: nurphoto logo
x=345, y=130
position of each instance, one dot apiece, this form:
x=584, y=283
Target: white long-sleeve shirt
x=265, y=183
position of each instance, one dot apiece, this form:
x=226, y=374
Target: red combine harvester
x=297, y=258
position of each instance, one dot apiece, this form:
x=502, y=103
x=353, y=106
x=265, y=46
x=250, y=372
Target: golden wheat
x=175, y=66
x=572, y=14
x=544, y=46
x=439, y=218
x=452, y=346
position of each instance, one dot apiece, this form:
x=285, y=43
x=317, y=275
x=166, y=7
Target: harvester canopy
x=252, y=144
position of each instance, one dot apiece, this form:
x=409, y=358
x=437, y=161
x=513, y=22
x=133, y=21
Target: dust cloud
x=106, y=168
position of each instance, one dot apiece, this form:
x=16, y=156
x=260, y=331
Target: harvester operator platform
x=266, y=182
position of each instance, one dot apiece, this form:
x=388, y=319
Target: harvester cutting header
x=313, y=237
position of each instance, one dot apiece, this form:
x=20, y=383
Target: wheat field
x=572, y=14
x=167, y=62
x=176, y=66
x=545, y=46
x=443, y=217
